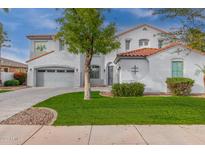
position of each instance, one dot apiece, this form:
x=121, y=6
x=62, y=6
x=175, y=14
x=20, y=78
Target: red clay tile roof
x=139, y=52
x=40, y=37
x=150, y=51
x=12, y=63
x=39, y=56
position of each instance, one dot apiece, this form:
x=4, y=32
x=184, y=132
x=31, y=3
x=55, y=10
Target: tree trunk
x=87, y=89
x=204, y=80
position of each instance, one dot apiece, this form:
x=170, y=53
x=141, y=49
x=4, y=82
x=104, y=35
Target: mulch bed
x=106, y=94
x=31, y=116
x=13, y=87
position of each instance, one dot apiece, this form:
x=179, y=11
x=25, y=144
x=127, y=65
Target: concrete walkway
x=19, y=100
x=121, y=134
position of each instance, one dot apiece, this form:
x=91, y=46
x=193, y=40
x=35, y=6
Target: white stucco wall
x=160, y=67
x=151, y=34
x=154, y=70
x=126, y=74
x=58, y=58
x=6, y=76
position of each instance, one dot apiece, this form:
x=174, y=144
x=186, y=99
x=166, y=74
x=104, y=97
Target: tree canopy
x=3, y=35
x=84, y=32
x=191, y=30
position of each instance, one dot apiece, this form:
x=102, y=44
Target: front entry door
x=110, y=75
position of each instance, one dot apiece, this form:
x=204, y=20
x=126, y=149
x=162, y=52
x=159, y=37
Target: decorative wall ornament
x=40, y=46
x=135, y=69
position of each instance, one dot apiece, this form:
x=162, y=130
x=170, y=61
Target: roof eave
x=40, y=37
x=117, y=59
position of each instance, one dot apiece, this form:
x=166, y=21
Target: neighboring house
x=144, y=56
x=8, y=65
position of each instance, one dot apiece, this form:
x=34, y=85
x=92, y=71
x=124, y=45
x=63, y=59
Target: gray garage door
x=54, y=77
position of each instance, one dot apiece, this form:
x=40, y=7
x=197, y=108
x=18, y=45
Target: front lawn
x=73, y=110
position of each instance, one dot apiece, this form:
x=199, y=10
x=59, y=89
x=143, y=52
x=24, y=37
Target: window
x=95, y=72
x=61, y=45
x=60, y=71
x=177, y=69
x=70, y=71
x=51, y=71
x=143, y=43
x=41, y=70
x=160, y=43
x=40, y=46
x=127, y=44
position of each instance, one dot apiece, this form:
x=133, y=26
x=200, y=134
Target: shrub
x=128, y=89
x=20, y=76
x=11, y=83
x=180, y=86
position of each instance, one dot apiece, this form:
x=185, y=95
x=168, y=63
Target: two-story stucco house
x=144, y=56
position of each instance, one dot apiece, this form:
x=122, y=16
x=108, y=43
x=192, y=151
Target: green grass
x=73, y=110
x=3, y=91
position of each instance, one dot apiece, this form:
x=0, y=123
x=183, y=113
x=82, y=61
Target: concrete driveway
x=103, y=135
x=19, y=100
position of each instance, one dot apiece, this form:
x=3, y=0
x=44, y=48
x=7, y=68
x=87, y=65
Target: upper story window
x=160, y=43
x=177, y=68
x=143, y=43
x=61, y=45
x=127, y=44
x=40, y=46
x=95, y=72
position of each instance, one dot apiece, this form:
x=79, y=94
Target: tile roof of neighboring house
x=139, y=26
x=40, y=37
x=12, y=63
x=150, y=51
x=39, y=56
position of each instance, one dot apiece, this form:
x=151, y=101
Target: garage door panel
x=40, y=79
x=57, y=78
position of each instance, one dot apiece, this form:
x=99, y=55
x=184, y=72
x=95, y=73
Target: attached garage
x=55, y=77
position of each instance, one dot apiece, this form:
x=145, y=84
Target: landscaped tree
x=3, y=38
x=84, y=32
x=191, y=30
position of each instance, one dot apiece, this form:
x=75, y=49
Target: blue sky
x=21, y=22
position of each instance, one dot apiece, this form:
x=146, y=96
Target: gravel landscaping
x=32, y=116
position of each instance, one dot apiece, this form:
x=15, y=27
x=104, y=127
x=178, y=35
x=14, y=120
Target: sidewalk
x=121, y=134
